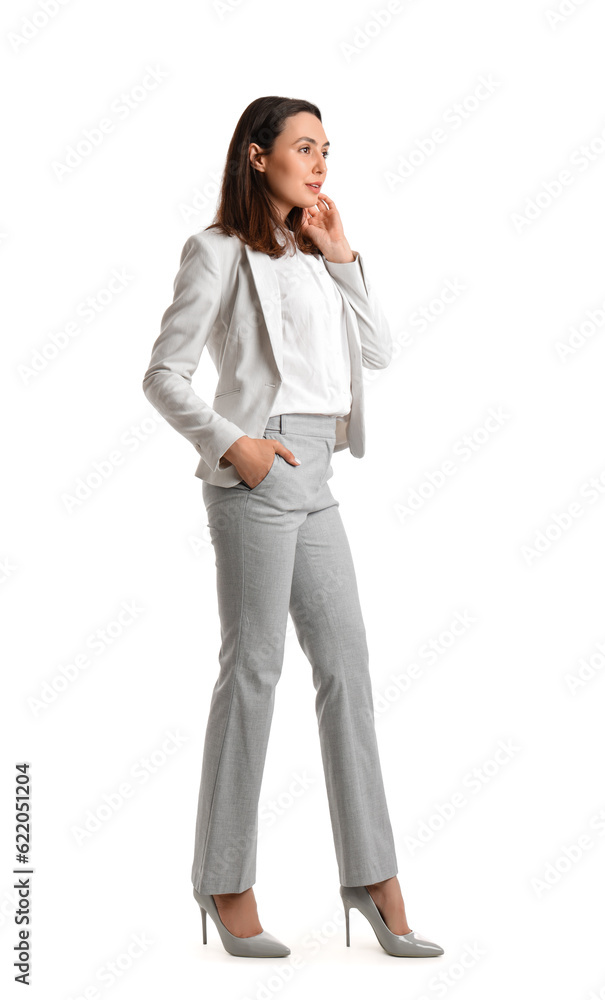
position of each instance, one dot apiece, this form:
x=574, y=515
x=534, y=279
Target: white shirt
x=316, y=363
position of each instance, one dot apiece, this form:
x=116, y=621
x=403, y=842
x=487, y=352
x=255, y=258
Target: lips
x=314, y=187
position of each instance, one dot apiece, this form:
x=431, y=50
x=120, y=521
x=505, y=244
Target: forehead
x=303, y=124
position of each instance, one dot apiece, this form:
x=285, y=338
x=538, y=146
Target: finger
x=288, y=455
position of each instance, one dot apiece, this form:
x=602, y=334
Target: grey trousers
x=281, y=547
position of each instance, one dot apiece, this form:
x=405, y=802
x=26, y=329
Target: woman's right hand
x=253, y=458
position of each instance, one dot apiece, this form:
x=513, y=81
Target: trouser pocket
x=255, y=489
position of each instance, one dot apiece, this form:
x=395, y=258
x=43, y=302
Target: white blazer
x=226, y=298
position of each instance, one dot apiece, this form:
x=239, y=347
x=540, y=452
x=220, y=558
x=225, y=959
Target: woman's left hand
x=323, y=225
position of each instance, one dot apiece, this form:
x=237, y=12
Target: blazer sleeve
x=184, y=330
x=374, y=332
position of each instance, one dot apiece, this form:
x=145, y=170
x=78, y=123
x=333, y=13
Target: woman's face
x=298, y=160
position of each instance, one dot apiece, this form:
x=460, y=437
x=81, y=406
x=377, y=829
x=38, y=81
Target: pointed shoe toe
x=421, y=945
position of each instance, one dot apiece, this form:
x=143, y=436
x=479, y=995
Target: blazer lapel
x=268, y=292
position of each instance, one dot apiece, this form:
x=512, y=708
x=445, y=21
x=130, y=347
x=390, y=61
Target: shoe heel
x=204, y=938
x=348, y=938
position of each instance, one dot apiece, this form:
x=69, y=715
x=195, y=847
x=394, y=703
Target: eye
x=326, y=153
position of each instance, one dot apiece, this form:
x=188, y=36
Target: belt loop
x=282, y=423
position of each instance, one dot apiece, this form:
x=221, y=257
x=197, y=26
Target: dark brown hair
x=245, y=209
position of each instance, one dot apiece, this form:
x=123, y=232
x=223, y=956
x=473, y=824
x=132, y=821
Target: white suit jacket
x=226, y=298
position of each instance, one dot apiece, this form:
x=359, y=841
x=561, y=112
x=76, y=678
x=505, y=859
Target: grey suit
x=280, y=547
x=226, y=297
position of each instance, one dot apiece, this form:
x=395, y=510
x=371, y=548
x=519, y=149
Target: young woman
x=284, y=306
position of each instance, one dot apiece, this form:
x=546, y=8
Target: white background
x=498, y=883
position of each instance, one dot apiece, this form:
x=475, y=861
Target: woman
x=275, y=292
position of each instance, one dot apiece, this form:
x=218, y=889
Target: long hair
x=245, y=209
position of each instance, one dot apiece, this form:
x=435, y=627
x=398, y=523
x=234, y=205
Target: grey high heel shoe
x=410, y=945
x=262, y=945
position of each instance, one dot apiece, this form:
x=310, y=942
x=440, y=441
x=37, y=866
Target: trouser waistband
x=313, y=424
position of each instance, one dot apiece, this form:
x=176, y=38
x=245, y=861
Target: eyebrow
x=308, y=139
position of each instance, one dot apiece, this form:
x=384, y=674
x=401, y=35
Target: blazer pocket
x=228, y=392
